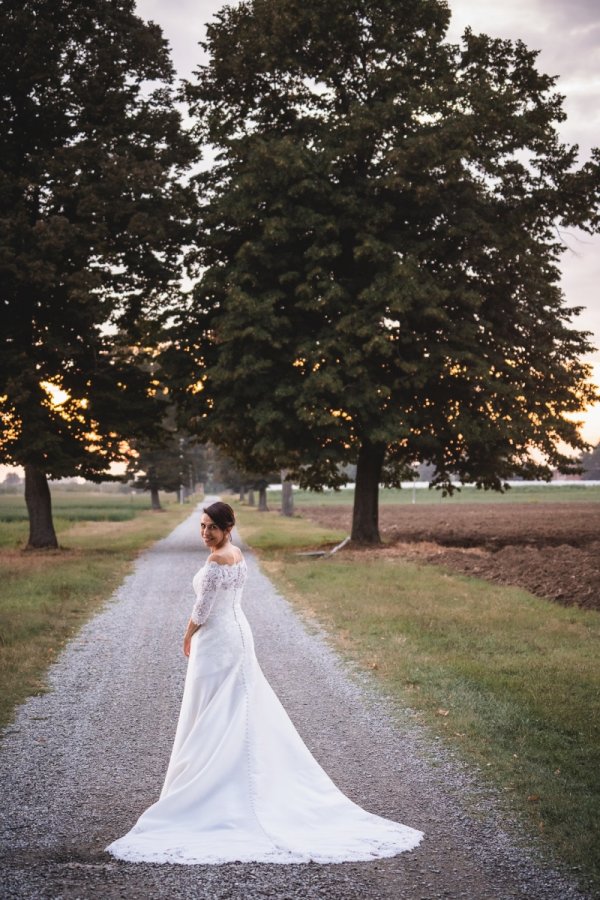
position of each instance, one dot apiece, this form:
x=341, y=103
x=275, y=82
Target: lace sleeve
x=206, y=592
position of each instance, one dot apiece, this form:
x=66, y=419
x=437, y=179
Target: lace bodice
x=212, y=579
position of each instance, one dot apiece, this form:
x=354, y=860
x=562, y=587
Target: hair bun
x=222, y=515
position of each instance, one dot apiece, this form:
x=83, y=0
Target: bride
x=241, y=785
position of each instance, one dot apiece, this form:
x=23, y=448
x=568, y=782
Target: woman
x=241, y=785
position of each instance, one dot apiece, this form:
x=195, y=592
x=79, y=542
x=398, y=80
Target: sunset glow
x=591, y=418
x=57, y=396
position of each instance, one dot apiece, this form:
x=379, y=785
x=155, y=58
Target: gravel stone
x=81, y=762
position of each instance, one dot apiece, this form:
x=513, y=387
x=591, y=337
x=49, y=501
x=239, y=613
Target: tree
x=223, y=473
x=12, y=483
x=287, y=495
x=226, y=473
x=92, y=218
x=171, y=463
x=155, y=466
x=380, y=250
x=590, y=463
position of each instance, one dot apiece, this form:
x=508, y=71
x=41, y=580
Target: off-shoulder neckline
x=213, y=562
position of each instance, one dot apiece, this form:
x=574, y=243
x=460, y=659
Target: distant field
x=79, y=506
x=528, y=493
x=68, y=508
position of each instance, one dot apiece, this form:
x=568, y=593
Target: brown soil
x=551, y=549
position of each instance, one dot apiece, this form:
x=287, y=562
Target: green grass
x=510, y=679
x=78, y=507
x=272, y=532
x=523, y=494
x=47, y=595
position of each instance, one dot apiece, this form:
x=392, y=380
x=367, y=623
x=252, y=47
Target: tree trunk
x=287, y=495
x=365, y=516
x=42, y=535
x=242, y=493
x=250, y=497
x=155, y=499
x=262, y=500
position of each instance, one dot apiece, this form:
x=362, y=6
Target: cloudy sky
x=567, y=34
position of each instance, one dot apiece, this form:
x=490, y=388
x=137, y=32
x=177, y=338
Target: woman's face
x=211, y=534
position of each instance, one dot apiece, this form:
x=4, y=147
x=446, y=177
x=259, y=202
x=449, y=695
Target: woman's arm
x=206, y=593
x=187, y=638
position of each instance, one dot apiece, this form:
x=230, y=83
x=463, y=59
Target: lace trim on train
x=405, y=839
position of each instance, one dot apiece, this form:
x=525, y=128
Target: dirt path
x=82, y=761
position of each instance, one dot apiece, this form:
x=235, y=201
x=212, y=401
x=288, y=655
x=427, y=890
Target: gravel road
x=82, y=761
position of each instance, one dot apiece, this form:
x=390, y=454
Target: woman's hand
x=187, y=638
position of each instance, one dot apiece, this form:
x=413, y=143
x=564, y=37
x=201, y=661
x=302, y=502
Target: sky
x=567, y=34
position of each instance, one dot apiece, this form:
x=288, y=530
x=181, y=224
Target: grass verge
x=510, y=679
x=47, y=595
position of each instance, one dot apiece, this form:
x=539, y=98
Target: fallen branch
x=325, y=553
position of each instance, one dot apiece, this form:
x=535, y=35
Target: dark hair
x=221, y=514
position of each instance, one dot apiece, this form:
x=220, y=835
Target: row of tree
x=178, y=463
x=375, y=248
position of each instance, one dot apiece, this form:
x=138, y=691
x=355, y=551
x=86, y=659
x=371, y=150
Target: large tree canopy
x=380, y=249
x=92, y=220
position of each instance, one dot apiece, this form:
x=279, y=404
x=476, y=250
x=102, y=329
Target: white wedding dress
x=241, y=785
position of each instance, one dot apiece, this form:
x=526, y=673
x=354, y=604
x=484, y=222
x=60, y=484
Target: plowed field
x=550, y=549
